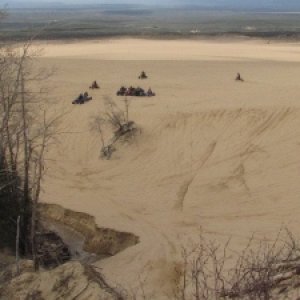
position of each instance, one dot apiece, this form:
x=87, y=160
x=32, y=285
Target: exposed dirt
x=81, y=233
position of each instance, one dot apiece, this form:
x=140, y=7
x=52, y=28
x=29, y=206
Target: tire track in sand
x=184, y=189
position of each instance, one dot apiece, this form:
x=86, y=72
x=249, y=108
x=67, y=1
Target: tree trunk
x=26, y=198
x=18, y=246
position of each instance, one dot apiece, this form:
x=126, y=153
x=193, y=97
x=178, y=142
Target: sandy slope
x=213, y=153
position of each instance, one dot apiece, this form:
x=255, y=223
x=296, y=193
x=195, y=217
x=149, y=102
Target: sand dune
x=133, y=49
x=213, y=153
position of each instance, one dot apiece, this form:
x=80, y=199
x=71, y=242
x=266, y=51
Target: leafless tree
x=97, y=125
x=119, y=118
x=26, y=130
x=118, y=121
x=263, y=270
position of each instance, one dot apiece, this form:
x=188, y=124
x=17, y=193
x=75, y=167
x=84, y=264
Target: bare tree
x=118, y=121
x=119, y=118
x=261, y=271
x=25, y=133
x=97, y=125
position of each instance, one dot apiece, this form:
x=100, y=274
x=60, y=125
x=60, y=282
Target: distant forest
x=60, y=21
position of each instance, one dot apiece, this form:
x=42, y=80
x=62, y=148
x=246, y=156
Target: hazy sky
x=284, y=4
x=224, y=2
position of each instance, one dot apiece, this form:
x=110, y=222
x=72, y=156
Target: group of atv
x=123, y=91
x=84, y=97
x=131, y=91
x=138, y=91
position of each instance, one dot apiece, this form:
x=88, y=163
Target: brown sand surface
x=214, y=154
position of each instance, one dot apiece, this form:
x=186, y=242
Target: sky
x=272, y=4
